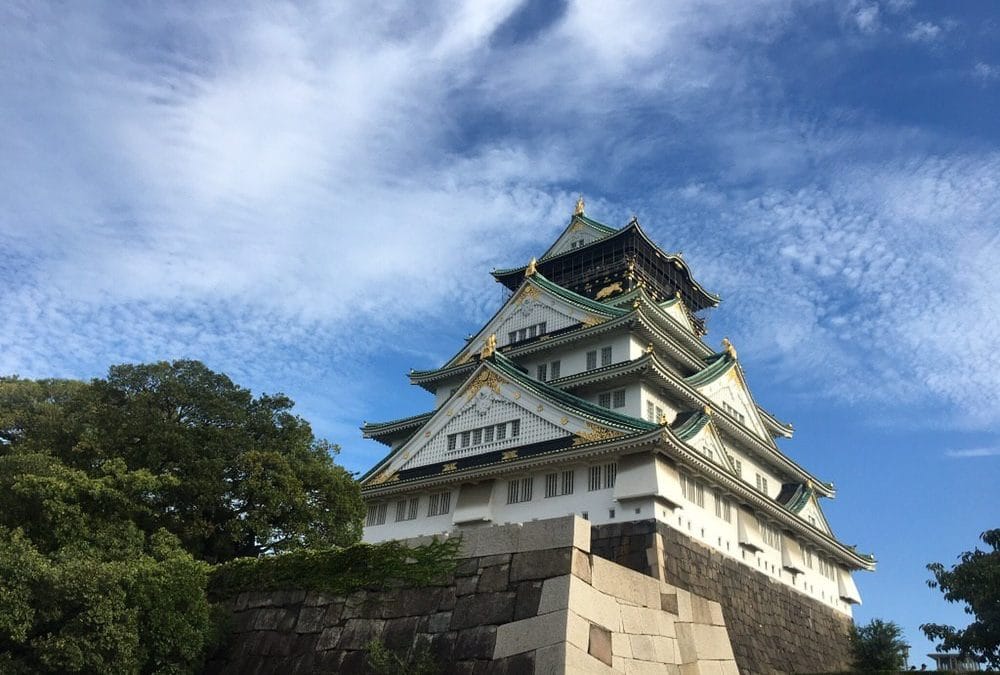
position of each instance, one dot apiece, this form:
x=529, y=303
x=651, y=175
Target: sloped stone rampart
x=524, y=599
x=772, y=628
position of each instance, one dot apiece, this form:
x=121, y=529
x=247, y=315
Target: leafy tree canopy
x=229, y=474
x=975, y=582
x=878, y=646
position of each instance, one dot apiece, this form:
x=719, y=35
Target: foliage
x=417, y=661
x=338, y=571
x=83, y=589
x=975, y=582
x=229, y=474
x=878, y=646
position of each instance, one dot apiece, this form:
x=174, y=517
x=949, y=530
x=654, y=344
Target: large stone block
x=529, y=593
x=310, y=620
x=494, y=578
x=530, y=634
x=358, y=633
x=398, y=634
x=570, y=531
x=600, y=644
x=541, y=564
x=579, y=661
x=482, y=609
x=475, y=643
x=625, y=584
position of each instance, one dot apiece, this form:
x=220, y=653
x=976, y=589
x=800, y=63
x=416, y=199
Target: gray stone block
x=482, y=609
x=494, y=579
x=541, y=564
x=475, y=643
x=359, y=632
x=311, y=620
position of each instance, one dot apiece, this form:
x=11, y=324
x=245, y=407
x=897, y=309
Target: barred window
x=515, y=428
x=414, y=505
x=376, y=514
x=552, y=485
x=501, y=432
x=737, y=465
x=762, y=483
x=692, y=490
x=591, y=360
x=466, y=439
x=452, y=440
x=567, y=482
x=595, y=479
x=659, y=414
x=604, y=399
x=488, y=434
x=555, y=369
x=610, y=474
x=605, y=356
x=769, y=534
x=519, y=490
x=512, y=337
x=439, y=504
x=723, y=507
x=400, y=510
x=650, y=412
x=543, y=372
x=477, y=436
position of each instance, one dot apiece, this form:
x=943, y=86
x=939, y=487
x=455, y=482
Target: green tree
x=82, y=588
x=239, y=475
x=878, y=646
x=975, y=582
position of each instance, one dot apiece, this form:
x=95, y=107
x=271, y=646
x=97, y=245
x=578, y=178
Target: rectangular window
x=591, y=360
x=515, y=428
x=512, y=337
x=466, y=438
x=519, y=491
x=595, y=479
x=762, y=483
x=501, y=431
x=376, y=514
x=605, y=356
x=531, y=331
x=650, y=412
x=452, y=440
x=737, y=465
x=432, y=505
x=567, y=482
x=610, y=473
x=551, y=485
x=414, y=505
x=604, y=399
x=444, y=505
x=699, y=494
x=541, y=328
x=400, y=510
x=543, y=372
x=717, y=497
x=807, y=555
x=522, y=334
x=618, y=399
x=555, y=370
x=477, y=436
x=488, y=434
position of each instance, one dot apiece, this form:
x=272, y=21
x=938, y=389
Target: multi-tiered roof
x=597, y=281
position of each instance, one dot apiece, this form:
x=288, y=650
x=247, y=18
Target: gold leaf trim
x=508, y=455
x=487, y=378
x=609, y=290
x=591, y=320
x=450, y=466
x=529, y=292
x=595, y=433
x=386, y=477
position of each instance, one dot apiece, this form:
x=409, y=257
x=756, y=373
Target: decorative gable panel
x=730, y=393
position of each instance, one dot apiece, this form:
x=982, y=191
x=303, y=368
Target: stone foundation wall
x=772, y=627
x=523, y=599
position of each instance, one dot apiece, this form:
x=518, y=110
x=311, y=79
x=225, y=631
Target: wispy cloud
x=973, y=452
x=986, y=73
x=924, y=31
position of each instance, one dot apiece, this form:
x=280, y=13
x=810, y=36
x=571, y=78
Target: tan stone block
x=577, y=630
x=665, y=649
x=555, y=594
x=642, y=647
x=645, y=621
x=646, y=668
x=600, y=644
x=684, y=612
x=618, y=663
x=529, y=634
x=593, y=605
x=730, y=668
x=620, y=645
x=712, y=642
x=532, y=536
x=551, y=660
x=699, y=610
x=665, y=624
x=715, y=610
x=579, y=661
x=625, y=584
x=581, y=565
x=685, y=642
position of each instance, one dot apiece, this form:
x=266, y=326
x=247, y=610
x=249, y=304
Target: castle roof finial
x=728, y=347
x=531, y=268
x=578, y=211
x=489, y=346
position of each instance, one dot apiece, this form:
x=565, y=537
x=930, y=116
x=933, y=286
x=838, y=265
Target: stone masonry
x=524, y=599
x=773, y=628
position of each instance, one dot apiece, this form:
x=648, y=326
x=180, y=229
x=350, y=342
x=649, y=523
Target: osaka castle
x=593, y=391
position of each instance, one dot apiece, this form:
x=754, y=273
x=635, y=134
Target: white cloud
x=924, y=31
x=973, y=452
x=986, y=72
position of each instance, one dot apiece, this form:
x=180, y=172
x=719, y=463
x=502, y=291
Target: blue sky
x=310, y=198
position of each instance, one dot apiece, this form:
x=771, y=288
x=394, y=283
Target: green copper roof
x=794, y=496
x=719, y=365
x=596, y=224
x=687, y=425
x=370, y=428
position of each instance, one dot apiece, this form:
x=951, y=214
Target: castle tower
x=592, y=391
